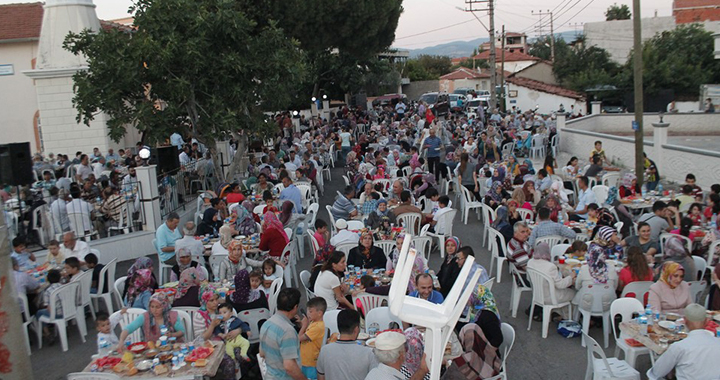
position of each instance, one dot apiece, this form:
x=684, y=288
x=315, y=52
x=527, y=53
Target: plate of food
x=363, y=336
x=144, y=365
x=370, y=342
x=572, y=262
x=667, y=325
x=138, y=347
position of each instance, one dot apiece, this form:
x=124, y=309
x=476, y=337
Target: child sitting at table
x=54, y=257
x=269, y=201
x=72, y=269
x=231, y=323
x=268, y=267
x=256, y=279
x=267, y=283
x=25, y=259
x=105, y=326
x=311, y=335
x=53, y=278
x=92, y=263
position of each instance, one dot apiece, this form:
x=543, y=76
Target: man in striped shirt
x=279, y=343
x=519, y=252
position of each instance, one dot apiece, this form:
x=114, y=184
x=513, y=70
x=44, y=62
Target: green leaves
x=617, y=12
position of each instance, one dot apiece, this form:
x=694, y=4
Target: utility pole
x=552, y=32
x=491, y=31
x=638, y=82
x=503, y=106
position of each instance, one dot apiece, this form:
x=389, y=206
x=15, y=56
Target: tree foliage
x=541, y=48
x=203, y=66
x=680, y=60
x=617, y=12
x=428, y=67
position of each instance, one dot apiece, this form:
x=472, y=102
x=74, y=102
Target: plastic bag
x=569, y=328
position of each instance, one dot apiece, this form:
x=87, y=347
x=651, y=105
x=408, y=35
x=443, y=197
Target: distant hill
x=456, y=49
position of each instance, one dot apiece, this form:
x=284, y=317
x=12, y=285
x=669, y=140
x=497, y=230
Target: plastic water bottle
x=660, y=189
x=560, y=219
x=713, y=221
x=163, y=330
x=649, y=315
x=103, y=347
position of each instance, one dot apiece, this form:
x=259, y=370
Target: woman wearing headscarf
x=552, y=203
x=676, y=251
x=287, y=217
x=542, y=262
x=245, y=222
x=531, y=194
x=496, y=196
x=188, y=287
x=414, y=351
x=140, y=283
x=380, y=215
x=183, y=256
x=211, y=220
x=428, y=181
x=502, y=222
x=158, y=314
x=670, y=294
x=226, y=237
x=273, y=237
x=418, y=265
x=513, y=167
x=629, y=186
x=449, y=269
x=556, y=189
x=597, y=270
x=529, y=166
x=236, y=261
x=241, y=298
x=366, y=254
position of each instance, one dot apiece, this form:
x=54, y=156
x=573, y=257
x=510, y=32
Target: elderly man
x=424, y=285
x=166, y=236
x=394, y=196
x=390, y=352
x=332, y=362
x=279, y=342
x=343, y=235
x=695, y=357
x=72, y=247
x=519, y=251
x=291, y=193
x=58, y=209
x=189, y=242
x=547, y=227
x=344, y=208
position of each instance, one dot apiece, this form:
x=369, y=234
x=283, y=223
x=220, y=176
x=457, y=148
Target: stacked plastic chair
x=439, y=320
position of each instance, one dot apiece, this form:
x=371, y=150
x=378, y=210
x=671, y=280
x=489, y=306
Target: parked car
x=613, y=107
x=438, y=102
x=472, y=106
x=457, y=102
x=389, y=99
x=463, y=90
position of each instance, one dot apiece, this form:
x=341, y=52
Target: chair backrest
x=332, y=218
x=411, y=222
x=386, y=245
x=526, y=214
x=507, y=149
x=424, y=230
x=314, y=245
x=610, y=179
x=538, y=280
x=597, y=291
x=489, y=283
x=508, y=333
x=664, y=237
x=696, y=288
x=601, y=194
x=624, y=307
x=447, y=220
x=519, y=278
x=495, y=247
x=382, y=316
x=423, y=245
x=331, y=325
x=125, y=319
x=385, y=183
x=107, y=272
x=253, y=317
x=345, y=248
x=639, y=288
x=258, y=209
x=312, y=211
x=67, y=296
x=467, y=196
x=711, y=254
x=700, y=265
x=274, y=291
x=369, y=301
x=593, y=348
x=119, y=287
x=558, y=250
x=279, y=187
x=85, y=281
x=184, y=316
x=355, y=225
x=279, y=271
x=215, y=261
x=305, y=280
x=92, y=376
x=551, y=240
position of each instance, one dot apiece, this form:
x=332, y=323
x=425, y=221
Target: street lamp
x=313, y=99
x=324, y=97
x=295, y=113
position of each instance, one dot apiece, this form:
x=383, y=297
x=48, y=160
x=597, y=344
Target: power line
x=434, y=30
x=575, y=15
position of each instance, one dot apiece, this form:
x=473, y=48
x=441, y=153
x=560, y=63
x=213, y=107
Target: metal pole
x=493, y=71
x=638, y=81
x=552, y=39
x=503, y=106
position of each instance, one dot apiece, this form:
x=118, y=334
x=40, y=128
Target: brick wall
x=689, y=11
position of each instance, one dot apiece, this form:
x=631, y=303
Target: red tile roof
x=465, y=73
x=544, y=87
x=510, y=56
x=23, y=21
x=20, y=21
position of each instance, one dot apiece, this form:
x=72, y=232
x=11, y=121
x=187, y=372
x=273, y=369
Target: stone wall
x=414, y=90
x=693, y=123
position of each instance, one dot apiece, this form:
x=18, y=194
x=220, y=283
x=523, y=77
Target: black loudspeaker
x=16, y=164
x=167, y=159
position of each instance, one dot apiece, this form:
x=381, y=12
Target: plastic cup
x=562, y=260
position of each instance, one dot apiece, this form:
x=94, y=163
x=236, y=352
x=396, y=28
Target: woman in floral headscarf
x=235, y=262
x=366, y=254
x=414, y=351
x=226, y=237
x=273, y=237
x=629, y=186
x=158, y=314
x=496, y=195
x=241, y=299
x=597, y=270
x=140, y=283
x=188, y=287
x=676, y=251
x=286, y=214
x=418, y=265
x=670, y=294
x=245, y=223
x=183, y=256
x=204, y=324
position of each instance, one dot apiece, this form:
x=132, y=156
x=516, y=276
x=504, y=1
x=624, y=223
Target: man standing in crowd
x=279, y=342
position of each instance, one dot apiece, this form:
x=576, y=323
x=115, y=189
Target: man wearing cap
x=333, y=363
x=343, y=235
x=390, y=352
x=695, y=357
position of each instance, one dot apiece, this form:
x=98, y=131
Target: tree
x=581, y=67
x=470, y=63
x=199, y=66
x=680, y=59
x=617, y=12
x=428, y=67
x=541, y=48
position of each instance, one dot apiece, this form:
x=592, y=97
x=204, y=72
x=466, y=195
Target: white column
x=660, y=131
x=296, y=124
x=326, y=109
x=314, y=109
x=595, y=107
x=150, y=198
x=559, y=126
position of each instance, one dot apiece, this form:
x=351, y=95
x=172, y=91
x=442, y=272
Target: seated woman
x=184, y=261
x=496, y=196
x=328, y=285
x=211, y=220
x=637, y=268
x=204, y=323
x=670, y=294
x=248, y=294
x=287, y=217
x=273, y=237
x=714, y=296
x=597, y=271
x=262, y=184
x=629, y=186
x=158, y=314
x=244, y=221
x=502, y=223
x=518, y=195
x=676, y=251
x=366, y=254
x=188, y=287
x=542, y=262
x=462, y=256
x=140, y=283
x=236, y=261
x=380, y=215
x=449, y=269
x=643, y=241
x=418, y=265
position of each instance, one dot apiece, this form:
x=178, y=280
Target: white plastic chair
x=305, y=280
x=387, y=246
x=119, y=287
x=508, y=333
x=411, y=222
x=125, y=319
x=526, y=214
x=345, y=248
x=597, y=309
x=314, y=245
x=355, y=225
x=66, y=295
x=438, y=319
x=368, y=301
x=423, y=244
x=108, y=271
x=495, y=250
x=537, y=281
x=290, y=271
x=602, y=367
x=489, y=215
x=258, y=210
x=610, y=179
x=274, y=292
x=162, y=266
x=537, y=146
x=639, y=288
x=85, y=281
x=519, y=286
x=552, y=240
x=448, y=219
x=711, y=254
x=700, y=265
x=215, y=261
x=558, y=250
x=625, y=307
x=331, y=325
x=92, y=376
x=124, y=222
x=469, y=203
x=385, y=183
x=184, y=316
x=382, y=317
x=696, y=288
x=29, y=321
x=253, y=317
x=332, y=220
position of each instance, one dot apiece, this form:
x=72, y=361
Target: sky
x=432, y=22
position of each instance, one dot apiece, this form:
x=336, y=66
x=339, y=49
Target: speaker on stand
x=16, y=170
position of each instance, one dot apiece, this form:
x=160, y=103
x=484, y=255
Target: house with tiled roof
x=514, y=60
x=464, y=77
x=525, y=93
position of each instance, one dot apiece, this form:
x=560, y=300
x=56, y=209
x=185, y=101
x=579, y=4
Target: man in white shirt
x=58, y=211
x=72, y=247
x=189, y=242
x=343, y=235
x=438, y=221
x=693, y=358
x=79, y=211
x=185, y=156
x=84, y=169
x=585, y=197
